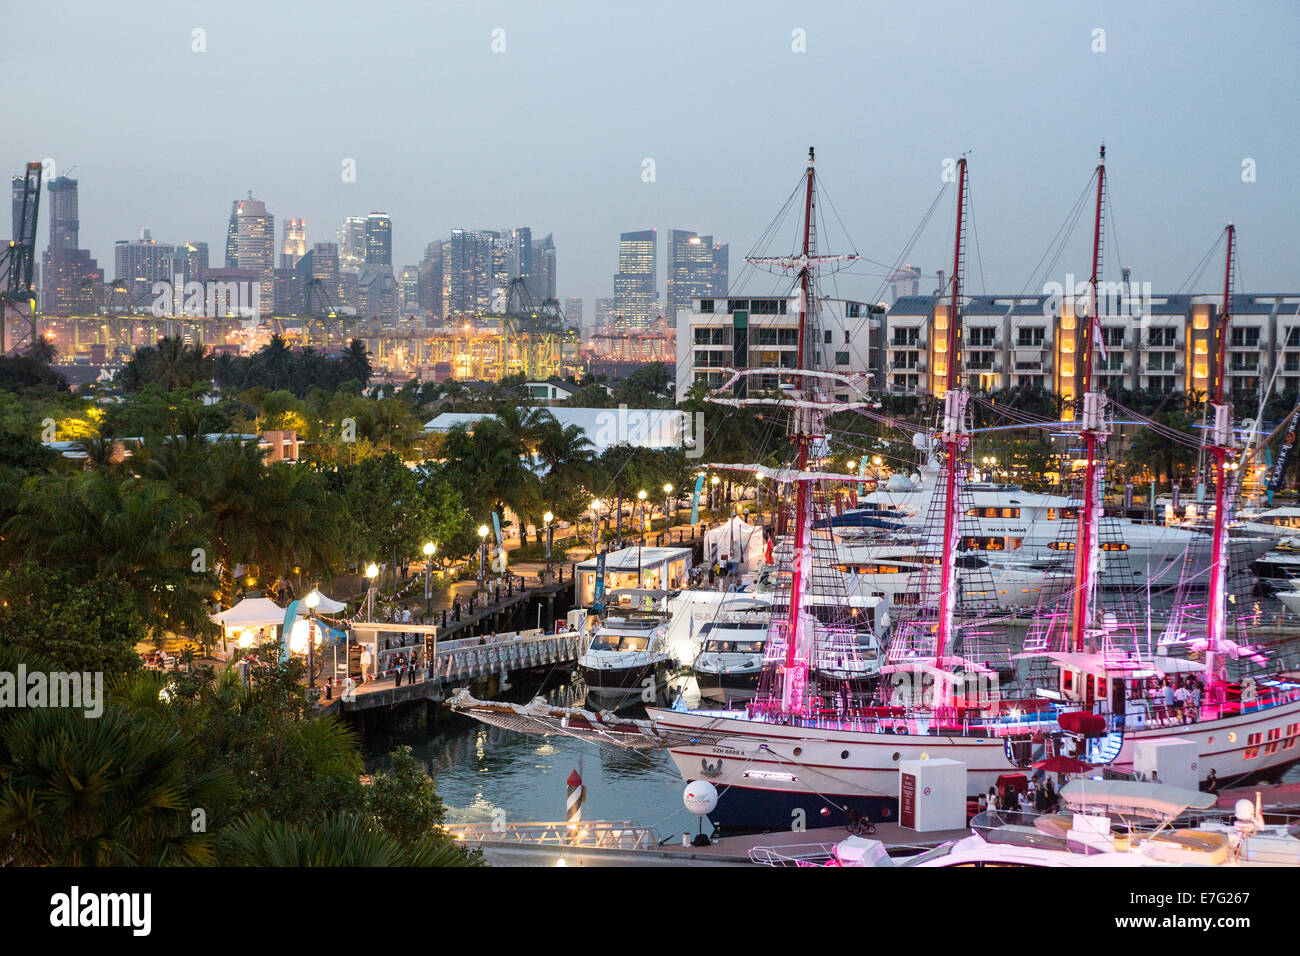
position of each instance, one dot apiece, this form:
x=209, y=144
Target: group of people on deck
x=1181, y=699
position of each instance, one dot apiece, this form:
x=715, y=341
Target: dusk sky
x=553, y=131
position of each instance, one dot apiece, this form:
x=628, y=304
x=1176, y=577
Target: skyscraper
x=430, y=288
x=379, y=239
x=467, y=277
x=71, y=282
x=573, y=312
x=65, y=224
x=694, y=270
x=604, y=313
x=542, y=266
x=254, y=247
x=139, y=263
x=352, y=244
x=293, y=246
x=325, y=267
x=635, y=284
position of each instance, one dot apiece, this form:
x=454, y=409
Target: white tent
x=251, y=612
x=735, y=540
x=327, y=605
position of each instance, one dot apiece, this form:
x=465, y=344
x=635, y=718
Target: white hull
x=760, y=758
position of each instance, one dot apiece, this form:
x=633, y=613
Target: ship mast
x=1093, y=431
x=954, y=441
x=795, y=678
x=1220, y=444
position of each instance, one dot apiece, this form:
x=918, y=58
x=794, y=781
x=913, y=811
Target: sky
x=516, y=112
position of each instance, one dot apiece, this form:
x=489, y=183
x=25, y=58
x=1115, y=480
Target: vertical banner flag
x=598, y=592
x=501, y=545
x=695, y=499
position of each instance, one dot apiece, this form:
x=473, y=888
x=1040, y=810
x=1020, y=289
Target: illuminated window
x=1201, y=320
x=1062, y=545
x=1274, y=736
x=1067, y=322
x=1252, y=748
x=1114, y=546
x=1292, y=731
x=1067, y=369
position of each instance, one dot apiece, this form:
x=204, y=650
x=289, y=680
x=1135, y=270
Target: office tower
x=379, y=239
x=573, y=312
x=542, y=266
x=72, y=282
x=467, y=272
x=906, y=280
x=65, y=225
x=604, y=313
x=505, y=256
x=325, y=267
x=232, y=230
x=191, y=260
x=139, y=263
x=696, y=268
x=293, y=246
x=430, y=288
x=409, y=283
x=352, y=244
x=377, y=292
x=254, y=247
x=635, y=296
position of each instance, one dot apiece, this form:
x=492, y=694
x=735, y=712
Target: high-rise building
x=905, y=281
x=191, y=260
x=542, y=267
x=409, y=283
x=635, y=284
x=430, y=289
x=379, y=239
x=65, y=223
x=293, y=246
x=232, y=230
x=254, y=247
x=325, y=267
x=72, y=282
x=603, y=313
x=696, y=268
x=467, y=278
x=139, y=263
x=352, y=244
x=573, y=312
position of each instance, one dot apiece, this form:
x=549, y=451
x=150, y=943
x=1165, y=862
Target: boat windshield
x=937, y=853
x=619, y=642
x=734, y=647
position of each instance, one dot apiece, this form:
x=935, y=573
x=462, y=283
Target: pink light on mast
x=1086, y=564
x=954, y=441
x=1220, y=443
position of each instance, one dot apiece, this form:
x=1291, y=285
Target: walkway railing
x=597, y=834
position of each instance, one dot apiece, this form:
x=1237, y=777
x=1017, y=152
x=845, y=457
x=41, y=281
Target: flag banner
x=695, y=499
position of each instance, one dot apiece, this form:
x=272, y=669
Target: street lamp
x=546, y=520
x=430, y=549
x=482, y=553
x=713, y=490
x=595, y=525
x=640, y=497
x=312, y=601
x=372, y=572
x=668, y=491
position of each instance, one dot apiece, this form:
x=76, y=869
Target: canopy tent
x=251, y=612
x=735, y=540
x=327, y=605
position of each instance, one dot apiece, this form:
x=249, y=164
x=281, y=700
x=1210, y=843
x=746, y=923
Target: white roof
x=1132, y=796
x=604, y=427
x=327, y=605
x=627, y=559
x=252, y=612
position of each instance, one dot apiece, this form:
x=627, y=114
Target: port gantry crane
x=533, y=337
x=18, y=265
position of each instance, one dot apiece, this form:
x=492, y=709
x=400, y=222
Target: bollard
x=573, y=804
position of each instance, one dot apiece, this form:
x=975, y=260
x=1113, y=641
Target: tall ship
x=1087, y=684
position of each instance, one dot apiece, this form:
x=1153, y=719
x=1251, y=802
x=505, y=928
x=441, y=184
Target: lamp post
x=595, y=525
x=372, y=572
x=640, y=497
x=312, y=601
x=430, y=549
x=546, y=520
x=668, y=493
x=482, y=554
x=713, y=491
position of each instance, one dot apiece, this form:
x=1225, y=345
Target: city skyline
x=1188, y=149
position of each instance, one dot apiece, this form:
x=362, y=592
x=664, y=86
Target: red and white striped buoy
x=573, y=801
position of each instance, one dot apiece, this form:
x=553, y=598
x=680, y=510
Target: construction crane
x=18, y=264
x=318, y=309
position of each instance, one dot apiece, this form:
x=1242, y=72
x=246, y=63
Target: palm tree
x=342, y=839
x=354, y=364
x=114, y=791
